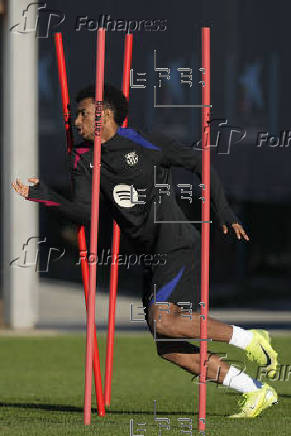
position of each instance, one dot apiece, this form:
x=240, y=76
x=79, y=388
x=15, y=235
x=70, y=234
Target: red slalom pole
x=81, y=230
x=96, y=357
x=100, y=59
x=205, y=235
x=116, y=244
x=64, y=90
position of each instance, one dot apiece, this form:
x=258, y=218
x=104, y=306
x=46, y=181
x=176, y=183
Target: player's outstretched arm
x=77, y=208
x=22, y=189
x=176, y=155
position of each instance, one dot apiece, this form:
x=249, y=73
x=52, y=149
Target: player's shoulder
x=148, y=139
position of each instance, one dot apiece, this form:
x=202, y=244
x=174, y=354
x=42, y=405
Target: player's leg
x=187, y=356
x=168, y=319
x=257, y=396
x=178, y=281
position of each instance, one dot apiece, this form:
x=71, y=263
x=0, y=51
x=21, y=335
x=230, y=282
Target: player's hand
x=22, y=189
x=238, y=229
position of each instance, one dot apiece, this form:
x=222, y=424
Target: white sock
x=240, y=337
x=240, y=381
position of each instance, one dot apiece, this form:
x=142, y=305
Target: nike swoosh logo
x=255, y=405
x=91, y=166
x=269, y=361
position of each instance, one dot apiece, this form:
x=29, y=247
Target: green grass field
x=42, y=384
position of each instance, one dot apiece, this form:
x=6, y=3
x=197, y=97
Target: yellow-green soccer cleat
x=261, y=351
x=253, y=403
x=263, y=333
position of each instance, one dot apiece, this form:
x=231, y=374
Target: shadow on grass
x=74, y=409
x=146, y=412
x=284, y=395
x=234, y=394
x=50, y=407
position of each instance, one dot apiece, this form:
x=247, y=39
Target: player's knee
x=164, y=326
x=163, y=322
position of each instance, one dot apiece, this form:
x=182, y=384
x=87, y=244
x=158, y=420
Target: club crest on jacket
x=131, y=158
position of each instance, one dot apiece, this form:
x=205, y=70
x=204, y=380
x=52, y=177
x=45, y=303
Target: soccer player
x=135, y=168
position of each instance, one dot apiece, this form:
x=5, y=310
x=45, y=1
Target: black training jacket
x=135, y=173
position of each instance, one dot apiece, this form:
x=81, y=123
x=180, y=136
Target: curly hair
x=113, y=99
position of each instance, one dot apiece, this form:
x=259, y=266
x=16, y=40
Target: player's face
x=85, y=119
